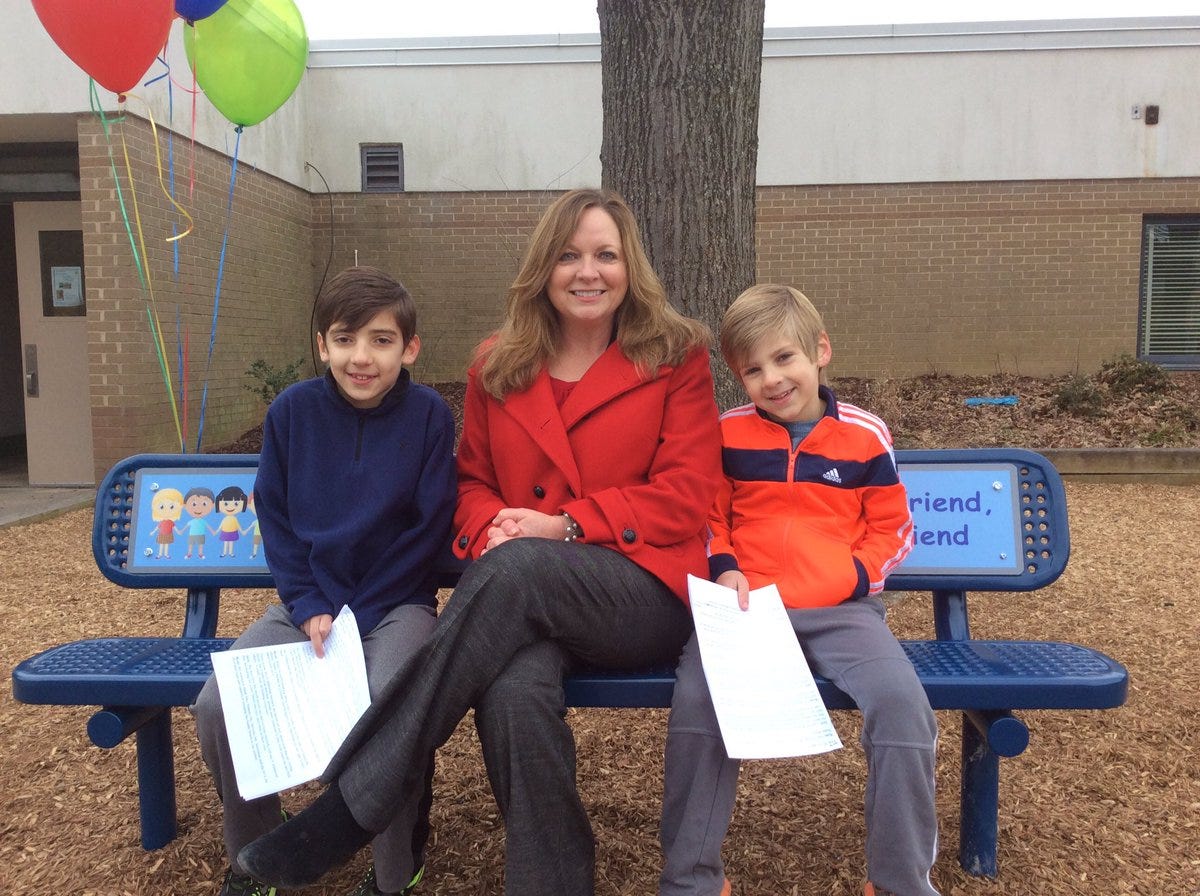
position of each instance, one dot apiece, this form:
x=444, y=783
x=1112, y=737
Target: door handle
x=31, y=371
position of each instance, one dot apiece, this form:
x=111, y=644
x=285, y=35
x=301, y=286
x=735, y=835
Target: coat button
x=539, y=492
x=463, y=541
x=629, y=536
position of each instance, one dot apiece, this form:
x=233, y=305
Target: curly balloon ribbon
x=212, y=335
x=159, y=164
x=180, y=332
x=138, y=245
x=162, y=60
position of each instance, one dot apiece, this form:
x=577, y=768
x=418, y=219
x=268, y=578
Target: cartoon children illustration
x=252, y=530
x=165, y=509
x=199, y=503
x=231, y=501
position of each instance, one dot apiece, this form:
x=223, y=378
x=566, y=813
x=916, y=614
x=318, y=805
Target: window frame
x=1189, y=280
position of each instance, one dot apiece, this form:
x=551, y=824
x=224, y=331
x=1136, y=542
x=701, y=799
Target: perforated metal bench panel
x=962, y=675
x=980, y=675
x=118, y=672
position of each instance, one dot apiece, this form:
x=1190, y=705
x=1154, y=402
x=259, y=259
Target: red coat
x=636, y=462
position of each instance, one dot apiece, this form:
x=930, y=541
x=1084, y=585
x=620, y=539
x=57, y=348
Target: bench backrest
x=990, y=519
x=123, y=531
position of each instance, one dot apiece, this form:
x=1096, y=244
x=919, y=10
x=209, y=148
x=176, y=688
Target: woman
x=588, y=462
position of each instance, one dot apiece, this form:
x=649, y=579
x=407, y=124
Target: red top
x=635, y=461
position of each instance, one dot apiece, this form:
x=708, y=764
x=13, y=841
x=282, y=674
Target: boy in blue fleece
x=355, y=494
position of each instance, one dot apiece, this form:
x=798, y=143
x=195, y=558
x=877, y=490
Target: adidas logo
x=832, y=476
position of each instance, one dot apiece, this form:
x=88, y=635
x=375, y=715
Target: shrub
x=1080, y=396
x=1126, y=375
x=271, y=380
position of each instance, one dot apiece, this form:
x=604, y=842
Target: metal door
x=54, y=342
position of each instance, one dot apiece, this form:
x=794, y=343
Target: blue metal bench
x=987, y=520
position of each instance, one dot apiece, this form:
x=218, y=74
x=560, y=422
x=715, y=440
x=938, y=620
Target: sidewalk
x=24, y=504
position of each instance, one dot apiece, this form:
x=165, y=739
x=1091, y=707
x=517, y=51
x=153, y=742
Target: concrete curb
x=1160, y=466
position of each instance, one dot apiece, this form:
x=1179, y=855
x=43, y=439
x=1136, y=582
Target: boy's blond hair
x=769, y=309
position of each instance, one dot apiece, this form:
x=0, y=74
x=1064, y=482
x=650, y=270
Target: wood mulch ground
x=1102, y=802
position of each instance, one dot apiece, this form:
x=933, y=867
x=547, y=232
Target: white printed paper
x=766, y=701
x=286, y=710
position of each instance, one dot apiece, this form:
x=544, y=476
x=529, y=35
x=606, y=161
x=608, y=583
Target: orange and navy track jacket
x=825, y=521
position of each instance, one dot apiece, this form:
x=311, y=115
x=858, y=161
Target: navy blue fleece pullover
x=355, y=505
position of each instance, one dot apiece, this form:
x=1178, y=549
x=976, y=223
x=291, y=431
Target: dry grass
x=1102, y=802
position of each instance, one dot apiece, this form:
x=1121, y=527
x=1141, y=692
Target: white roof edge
x=828, y=40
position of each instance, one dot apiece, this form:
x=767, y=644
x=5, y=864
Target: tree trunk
x=680, y=94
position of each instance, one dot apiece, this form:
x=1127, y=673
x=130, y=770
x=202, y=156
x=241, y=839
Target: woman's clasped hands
x=522, y=522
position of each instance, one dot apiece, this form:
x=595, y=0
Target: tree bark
x=681, y=83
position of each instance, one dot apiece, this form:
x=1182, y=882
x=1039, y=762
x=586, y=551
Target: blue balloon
x=194, y=10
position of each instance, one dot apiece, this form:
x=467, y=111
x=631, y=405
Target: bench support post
x=203, y=607
x=156, y=781
x=980, y=803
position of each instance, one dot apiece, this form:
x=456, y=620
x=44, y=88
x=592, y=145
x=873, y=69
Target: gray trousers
x=386, y=648
x=851, y=645
x=518, y=616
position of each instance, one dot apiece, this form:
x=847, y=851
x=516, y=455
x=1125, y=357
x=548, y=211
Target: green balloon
x=248, y=56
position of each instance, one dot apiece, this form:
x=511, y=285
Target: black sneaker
x=243, y=885
x=366, y=887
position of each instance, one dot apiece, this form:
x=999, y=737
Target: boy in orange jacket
x=812, y=503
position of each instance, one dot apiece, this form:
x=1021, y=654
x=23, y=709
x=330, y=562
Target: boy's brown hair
x=769, y=309
x=353, y=297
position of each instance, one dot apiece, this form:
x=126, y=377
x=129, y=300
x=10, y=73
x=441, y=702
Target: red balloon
x=114, y=41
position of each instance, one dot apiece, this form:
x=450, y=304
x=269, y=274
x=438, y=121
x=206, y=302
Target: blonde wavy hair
x=649, y=330
x=769, y=309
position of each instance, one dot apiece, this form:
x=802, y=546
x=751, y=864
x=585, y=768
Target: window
x=383, y=168
x=1169, y=318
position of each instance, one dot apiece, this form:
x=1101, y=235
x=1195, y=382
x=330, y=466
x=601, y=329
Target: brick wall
x=456, y=252
x=1035, y=278
x=1028, y=277
x=265, y=295
x=1024, y=277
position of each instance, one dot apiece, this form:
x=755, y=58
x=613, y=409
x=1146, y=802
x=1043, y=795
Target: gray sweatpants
x=385, y=648
x=851, y=645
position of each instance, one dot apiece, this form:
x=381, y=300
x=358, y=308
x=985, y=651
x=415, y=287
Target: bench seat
x=987, y=521
x=981, y=675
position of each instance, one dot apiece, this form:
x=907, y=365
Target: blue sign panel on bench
x=966, y=519
x=202, y=520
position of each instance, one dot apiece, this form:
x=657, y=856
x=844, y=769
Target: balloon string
x=181, y=360
x=193, y=92
x=158, y=159
x=165, y=370
x=193, y=89
x=112, y=164
x=152, y=305
x=156, y=324
x=140, y=262
x=212, y=335
x=192, y=157
x=181, y=334
x=170, y=158
x=184, y=378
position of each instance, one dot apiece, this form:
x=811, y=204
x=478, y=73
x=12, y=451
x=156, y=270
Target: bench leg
x=980, y=803
x=156, y=781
